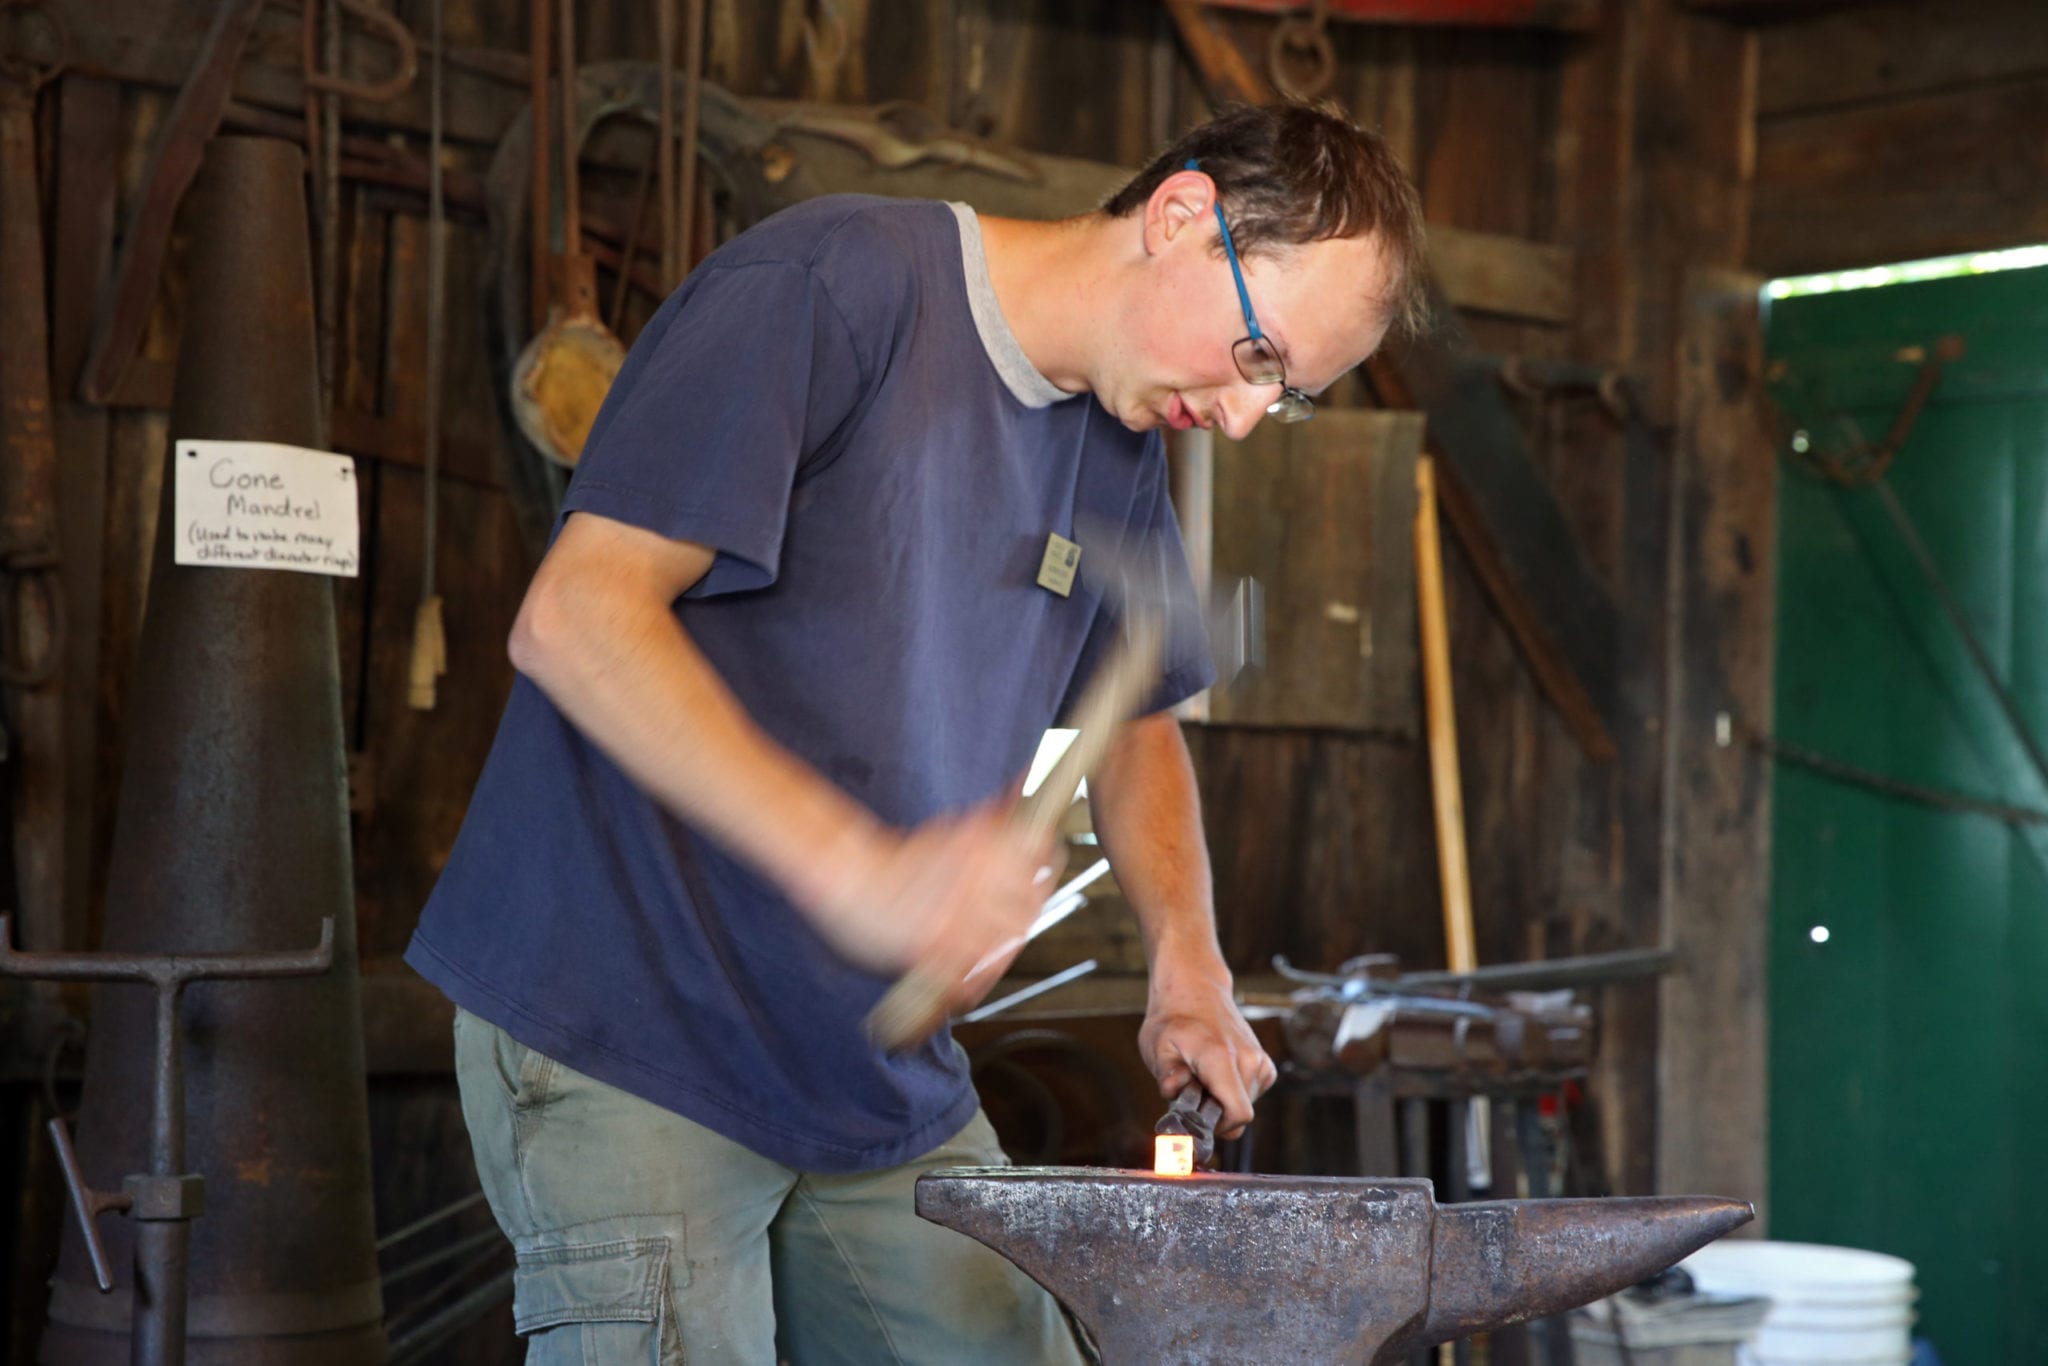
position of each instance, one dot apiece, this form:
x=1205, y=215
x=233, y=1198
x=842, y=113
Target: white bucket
x=1836, y=1305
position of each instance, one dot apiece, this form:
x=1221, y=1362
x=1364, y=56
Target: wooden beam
x=154, y=45
x=1867, y=53
x=1927, y=176
x=1490, y=272
x=1225, y=71
x=1574, y=16
x=1711, y=1130
x=147, y=385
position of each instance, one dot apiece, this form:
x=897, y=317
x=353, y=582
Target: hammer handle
x=916, y=1004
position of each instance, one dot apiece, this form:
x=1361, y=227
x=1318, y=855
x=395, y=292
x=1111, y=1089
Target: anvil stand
x=166, y=1200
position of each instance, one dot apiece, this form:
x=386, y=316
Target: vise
x=1234, y=1268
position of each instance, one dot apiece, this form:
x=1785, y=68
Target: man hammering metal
x=604, y=608
x=820, y=584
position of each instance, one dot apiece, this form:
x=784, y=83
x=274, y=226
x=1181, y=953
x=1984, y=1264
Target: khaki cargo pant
x=643, y=1238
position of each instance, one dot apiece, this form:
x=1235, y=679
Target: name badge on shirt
x=1056, y=570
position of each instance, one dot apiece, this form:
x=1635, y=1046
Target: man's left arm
x=1148, y=817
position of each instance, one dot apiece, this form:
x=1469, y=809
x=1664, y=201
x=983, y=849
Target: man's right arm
x=598, y=635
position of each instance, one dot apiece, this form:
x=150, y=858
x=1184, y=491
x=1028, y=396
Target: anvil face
x=1205, y=1268
x=1228, y=1268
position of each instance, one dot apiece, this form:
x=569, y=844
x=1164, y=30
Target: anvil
x=1231, y=1268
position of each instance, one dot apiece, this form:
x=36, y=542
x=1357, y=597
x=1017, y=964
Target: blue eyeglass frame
x=1301, y=405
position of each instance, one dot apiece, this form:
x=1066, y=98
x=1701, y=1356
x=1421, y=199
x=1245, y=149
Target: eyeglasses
x=1256, y=359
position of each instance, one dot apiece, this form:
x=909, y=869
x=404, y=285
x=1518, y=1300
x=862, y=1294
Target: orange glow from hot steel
x=1173, y=1155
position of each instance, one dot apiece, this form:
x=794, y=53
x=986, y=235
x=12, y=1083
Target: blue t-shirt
x=835, y=403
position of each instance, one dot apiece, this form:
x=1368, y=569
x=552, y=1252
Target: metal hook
x=405, y=59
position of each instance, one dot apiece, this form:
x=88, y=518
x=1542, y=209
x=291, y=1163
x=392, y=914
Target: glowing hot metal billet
x=1173, y=1155
x=1212, y=1269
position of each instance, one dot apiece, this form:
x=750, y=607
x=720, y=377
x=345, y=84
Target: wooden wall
x=1900, y=130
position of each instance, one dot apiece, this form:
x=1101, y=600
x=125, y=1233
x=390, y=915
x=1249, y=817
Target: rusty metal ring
x=1291, y=39
x=27, y=69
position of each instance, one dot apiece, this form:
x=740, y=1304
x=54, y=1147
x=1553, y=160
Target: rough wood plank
x=1886, y=51
x=425, y=764
x=1913, y=178
x=1489, y=272
x=1320, y=844
x=1319, y=514
x=1712, y=1060
x=422, y=765
x=1476, y=89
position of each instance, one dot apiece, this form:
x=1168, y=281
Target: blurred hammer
x=916, y=1005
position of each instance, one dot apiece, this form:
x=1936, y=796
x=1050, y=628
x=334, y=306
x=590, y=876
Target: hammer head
x=1139, y=579
x=1220, y=1268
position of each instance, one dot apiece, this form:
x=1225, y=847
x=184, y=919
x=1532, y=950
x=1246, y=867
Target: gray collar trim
x=1020, y=376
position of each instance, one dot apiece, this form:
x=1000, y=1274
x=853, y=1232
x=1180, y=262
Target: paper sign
x=259, y=505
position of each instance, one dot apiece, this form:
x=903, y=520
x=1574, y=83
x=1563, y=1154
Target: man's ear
x=1182, y=204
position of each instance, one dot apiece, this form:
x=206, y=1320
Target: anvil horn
x=1503, y=1261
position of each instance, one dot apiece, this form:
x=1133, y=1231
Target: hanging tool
x=693, y=99
x=665, y=139
x=629, y=249
x=564, y=373
x=1031, y=993
x=429, y=639
x=173, y=161
x=405, y=58
x=540, y=215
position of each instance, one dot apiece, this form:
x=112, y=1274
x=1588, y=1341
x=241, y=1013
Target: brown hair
x=1290, y=174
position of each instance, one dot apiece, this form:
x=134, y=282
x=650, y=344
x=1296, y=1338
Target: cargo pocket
x=599, y=1304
